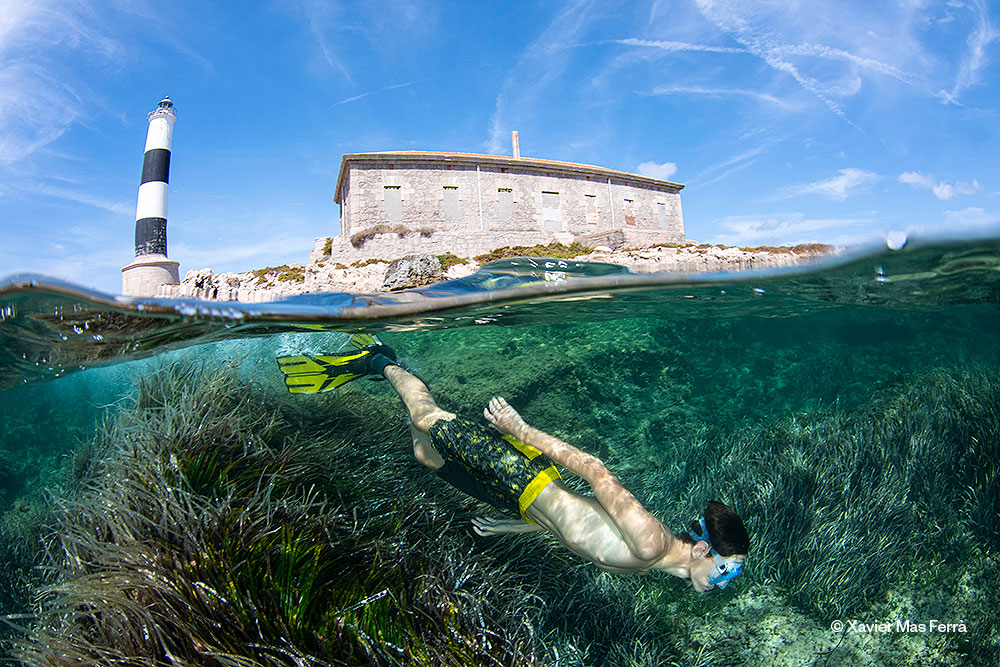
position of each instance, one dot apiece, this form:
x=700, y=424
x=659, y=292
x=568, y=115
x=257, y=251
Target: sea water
x=848, y=411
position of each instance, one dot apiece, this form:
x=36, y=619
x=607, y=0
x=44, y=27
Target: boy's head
x=726, y=531
x=719, y=545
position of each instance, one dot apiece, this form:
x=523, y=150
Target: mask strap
x=704, y=534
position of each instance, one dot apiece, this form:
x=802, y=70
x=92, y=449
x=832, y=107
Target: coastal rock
x=327, y=271
x=704, y=258
x=247, y=287
x=412, y=271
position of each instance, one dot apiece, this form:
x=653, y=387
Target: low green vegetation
x=804, y=248
x=801, y=249
x=367, y=262
x=449, y=260
x=328, y=247
x=283, y=273
x=551, y=250
x=214, y=526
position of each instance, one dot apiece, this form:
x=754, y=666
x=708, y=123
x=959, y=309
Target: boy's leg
x=424, y=450
x=417, y=398
x=423, y=413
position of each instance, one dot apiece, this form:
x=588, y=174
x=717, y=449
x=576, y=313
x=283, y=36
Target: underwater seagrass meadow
x=174, y=504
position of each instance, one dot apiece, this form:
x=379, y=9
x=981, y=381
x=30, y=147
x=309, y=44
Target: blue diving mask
x=724, y=572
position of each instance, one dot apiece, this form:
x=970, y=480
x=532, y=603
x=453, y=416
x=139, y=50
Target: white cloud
x=847, y=183
x=662, y=171
x=971, y=216
x=788, y=229
x=943, y=191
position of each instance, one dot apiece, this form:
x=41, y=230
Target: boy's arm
x=646, y=537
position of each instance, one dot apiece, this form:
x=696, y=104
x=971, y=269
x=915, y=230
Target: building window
x=505, y=202
x=450, y=204
x=551, y=213
x=591, y=201
x=392, y=202
x=630, y=212
x=661, y=215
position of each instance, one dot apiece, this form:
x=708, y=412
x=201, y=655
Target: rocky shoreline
x=323, y=274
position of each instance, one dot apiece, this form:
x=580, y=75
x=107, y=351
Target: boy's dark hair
x=726, y=531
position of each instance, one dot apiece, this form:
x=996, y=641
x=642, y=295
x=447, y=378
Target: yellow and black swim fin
x=311, y=374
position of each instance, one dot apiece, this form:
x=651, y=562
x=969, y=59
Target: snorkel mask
x=724, y=573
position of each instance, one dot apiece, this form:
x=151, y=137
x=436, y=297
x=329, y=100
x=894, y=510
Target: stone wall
x=525, y=197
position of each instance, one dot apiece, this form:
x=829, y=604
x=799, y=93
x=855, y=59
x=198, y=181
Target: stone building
x=415, y=201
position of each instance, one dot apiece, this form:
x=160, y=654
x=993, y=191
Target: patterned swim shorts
x=507, y=473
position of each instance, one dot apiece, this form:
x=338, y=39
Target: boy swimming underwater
x=511, y=468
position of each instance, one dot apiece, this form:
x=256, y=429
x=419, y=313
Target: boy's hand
x=503, y=416
x=486, y=526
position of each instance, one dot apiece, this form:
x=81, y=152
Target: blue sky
x=789, y=122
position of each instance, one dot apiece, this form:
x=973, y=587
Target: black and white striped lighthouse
x=152, y=273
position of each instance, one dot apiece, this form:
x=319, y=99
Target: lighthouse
x=151, y=273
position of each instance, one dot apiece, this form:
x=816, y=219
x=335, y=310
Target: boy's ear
x=700, y=549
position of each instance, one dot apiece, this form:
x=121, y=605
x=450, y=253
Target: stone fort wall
x=469, y=205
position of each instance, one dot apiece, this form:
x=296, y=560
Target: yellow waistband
x=530, y=452
x=535, y=487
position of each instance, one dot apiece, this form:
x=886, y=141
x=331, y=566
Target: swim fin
x=311, y=374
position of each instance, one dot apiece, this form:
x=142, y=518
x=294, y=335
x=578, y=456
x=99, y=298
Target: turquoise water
x=849, y=412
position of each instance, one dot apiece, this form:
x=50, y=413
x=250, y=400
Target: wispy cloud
x=724, y=92
x=847, y=183
x=975, y=58
x=78, y=197
x=831, y=53
x=242, y=257
x=660, y=170
x=674, y=47
x=320, y=18
x=355, y=98
x=37, y=105
x=541, y=63
x=711, y=174
x=43, y=46
x=760, y=41
x=797, y=43
x=942, y=190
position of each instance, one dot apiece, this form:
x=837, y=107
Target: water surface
x=848, y=411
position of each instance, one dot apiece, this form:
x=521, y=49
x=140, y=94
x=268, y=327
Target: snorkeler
x=511, y=468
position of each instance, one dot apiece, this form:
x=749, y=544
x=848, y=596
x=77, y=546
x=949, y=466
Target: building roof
x=496, y=160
